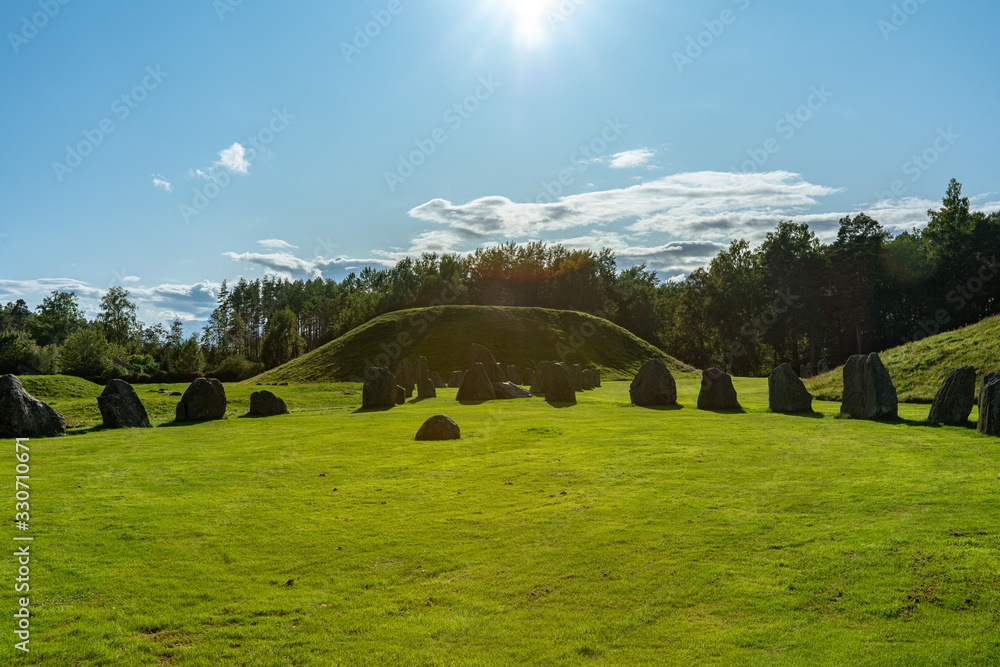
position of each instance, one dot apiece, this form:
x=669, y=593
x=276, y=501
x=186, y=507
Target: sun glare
x=532, y=19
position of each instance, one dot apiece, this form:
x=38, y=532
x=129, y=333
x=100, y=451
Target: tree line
x=791, y=298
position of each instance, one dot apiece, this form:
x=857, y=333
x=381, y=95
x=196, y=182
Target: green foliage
x=143, y=363
x=236, y=369
x=16, y=350
x=190, y=358
x=58, y=316
x=282, y=342
x=86, y=353
x=121, y=327
x=48, y=360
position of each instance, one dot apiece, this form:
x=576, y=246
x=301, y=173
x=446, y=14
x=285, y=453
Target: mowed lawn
x=597, y=534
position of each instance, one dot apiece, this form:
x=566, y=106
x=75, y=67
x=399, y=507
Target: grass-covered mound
x=597, y=534
x=520, y=336
x=919, y=368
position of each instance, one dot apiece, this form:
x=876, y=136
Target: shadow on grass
x=560, y=405
x=250, y=416
x=660, y=408
x=385, y=408
x=807, y=415
x=733, y=411
x=191, y=422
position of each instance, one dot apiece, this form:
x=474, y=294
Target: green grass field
x=597, y=534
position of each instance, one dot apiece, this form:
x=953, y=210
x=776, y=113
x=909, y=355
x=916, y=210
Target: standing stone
x=120, y=406
x=543, y=375
x=822, y=367
x=425, y=386
x=954, y=400
x=204, y=399
x=437, y=380
x=455, y=380
x=717, y=391
x=528, y=376
x=379, y=390
x=577, y=371
x=399, y=395
x=476, y=385
x=805, y=371
x=24, y=416
x=506, y=390
x=653, y=385
x=480, y=355
x=989, y=405
x=597, y=378
x=439, y=427
x=559, y=386
x=406, y=377
x=513, y=375
x=501, y=376
x=868, y=389
x=786, y=393
x=266, y=404
x=588, y=379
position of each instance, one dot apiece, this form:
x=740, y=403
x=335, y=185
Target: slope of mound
x=520, y=336
x=919, y=368
x=49, y=387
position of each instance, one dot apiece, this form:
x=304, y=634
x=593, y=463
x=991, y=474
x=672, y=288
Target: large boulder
x=954, y=400
x=399, y=395
x=868, y=389
x=559, y=385
x=406, y=377
x=480, y=355
x=786, y=393
x=438, y=380
x=653, y=385
x=204, y=399
x=425, y=386
x=24, y=416
x=439, y=427
x=505, y=390
x=717, y=391
x=120, y=406
x=542, y=375
x=989, y=405
x=456, y=378
x=379, y=390
x=265, y=404
x=476, y=385
x=577, y=371
x=513, y=375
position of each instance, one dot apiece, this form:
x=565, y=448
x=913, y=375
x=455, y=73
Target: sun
x=532, y=20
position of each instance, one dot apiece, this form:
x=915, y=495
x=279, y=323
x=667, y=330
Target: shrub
x=86, y=353
x=236, y=368
x=15, y=351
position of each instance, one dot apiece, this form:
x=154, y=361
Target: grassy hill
x=520, y=336
x=919, y=368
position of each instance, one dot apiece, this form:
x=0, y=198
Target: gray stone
x=455, y=381
x=406, y=377
x=439, y=427
x=513, y=375
x=588, y=379
x=822, y=367
x=805, y=371
x=438, y=380
x=500, y=376
x=204, y=399
x=577, y=372
x=425, y=386
x=120, y=406
x=653, y=385
x=559, y=386
x=989, y=405
x=480, y=355
x=505, y=390
x=543, y=372
x=266, y=404
x=868, y=389
x=24, y=416
x=954, y=400
x=786, y=393
x=597, y=378
x=399, y=395
x=476, y=385
x=379, y=390
x=717, y=391
x=528, y=376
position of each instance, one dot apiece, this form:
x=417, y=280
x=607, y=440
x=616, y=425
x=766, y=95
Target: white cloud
x=287, y=265
x=160, y=182
x=631, y=159
x=234, y=159
x=131, y=279
x=276, y=244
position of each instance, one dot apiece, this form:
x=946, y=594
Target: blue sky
x=168, y=146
